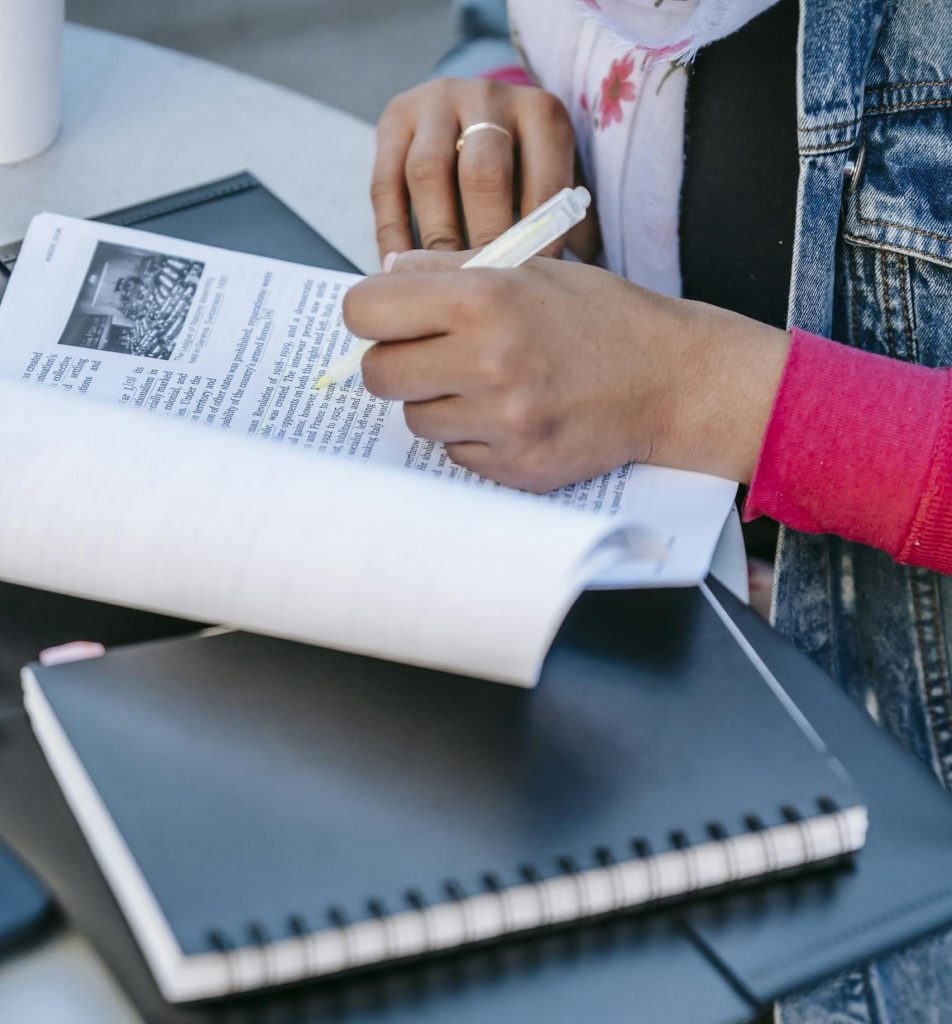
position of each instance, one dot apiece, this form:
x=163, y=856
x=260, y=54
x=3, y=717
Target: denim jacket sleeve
x=484, y=45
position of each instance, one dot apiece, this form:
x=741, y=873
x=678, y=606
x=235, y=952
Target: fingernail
x=389, y=260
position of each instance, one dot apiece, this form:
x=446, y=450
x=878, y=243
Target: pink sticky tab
x=78, y=650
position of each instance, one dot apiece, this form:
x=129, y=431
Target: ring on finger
x=481, y=126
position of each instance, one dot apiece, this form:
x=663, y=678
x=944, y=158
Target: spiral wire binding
x=680, y=841
x=219, y=942
x=260, y=938
x=756, y=826
x=583, y=895
x=828, y=806
x=298, y=927
x=603, y=859
x=457, y=894
x=378, y=909
x=415, y=900
x=493, y=883
x=338, y=918
x=642, y=850
x=531, y=876
x=793, y=817
x=719, y=834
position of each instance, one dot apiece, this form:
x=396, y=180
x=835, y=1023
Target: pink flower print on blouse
x=594, y=4
x=617, y=87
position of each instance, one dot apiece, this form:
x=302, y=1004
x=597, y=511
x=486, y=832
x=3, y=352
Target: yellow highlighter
x=512, y=248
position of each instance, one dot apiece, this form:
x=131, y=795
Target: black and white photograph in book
x=133, y=301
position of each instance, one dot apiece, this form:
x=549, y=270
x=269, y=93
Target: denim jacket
x=872, y=268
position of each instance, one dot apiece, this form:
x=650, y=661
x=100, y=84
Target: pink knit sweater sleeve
x=861, y=446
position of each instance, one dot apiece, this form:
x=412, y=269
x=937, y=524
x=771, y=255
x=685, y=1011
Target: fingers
x=431, y=178
x=478, y=193
x=486, y=182
x=418, y=260
x=477, y=456
x=547, y=148
x=411, y=371
x=395, y=307
x=450, y=419
x=388, y=189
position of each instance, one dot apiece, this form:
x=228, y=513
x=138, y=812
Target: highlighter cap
x=535, y=232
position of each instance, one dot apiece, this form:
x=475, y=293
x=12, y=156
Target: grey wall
x=354, y=54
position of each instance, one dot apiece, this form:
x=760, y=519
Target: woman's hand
x=558, y=371
x=469, y=198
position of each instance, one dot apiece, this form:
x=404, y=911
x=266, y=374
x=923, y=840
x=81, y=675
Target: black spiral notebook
x=266, y=812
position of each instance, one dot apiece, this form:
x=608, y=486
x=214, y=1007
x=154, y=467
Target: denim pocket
x=897, y=227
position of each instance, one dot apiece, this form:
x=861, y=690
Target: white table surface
x=139, y=122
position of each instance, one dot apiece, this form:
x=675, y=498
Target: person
x=813, y=201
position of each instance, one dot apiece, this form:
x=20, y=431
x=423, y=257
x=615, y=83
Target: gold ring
x=481, y=126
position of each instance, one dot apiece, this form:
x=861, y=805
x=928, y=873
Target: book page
x=235, y=342
x=149, y=513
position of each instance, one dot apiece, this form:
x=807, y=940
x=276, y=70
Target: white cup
x=30, y=41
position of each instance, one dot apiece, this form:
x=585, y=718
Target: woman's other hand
x=467, y=199
x=558, y=371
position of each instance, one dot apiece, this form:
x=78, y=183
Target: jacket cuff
x=859, y=445
x=930, y=537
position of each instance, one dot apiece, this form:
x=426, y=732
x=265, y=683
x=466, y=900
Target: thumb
x=423, y=261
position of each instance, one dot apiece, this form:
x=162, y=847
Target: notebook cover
x=613, y=973
x=616, y=973
x=255, y=780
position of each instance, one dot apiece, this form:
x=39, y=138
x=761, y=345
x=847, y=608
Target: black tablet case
x=25, y=906
x=234, y=213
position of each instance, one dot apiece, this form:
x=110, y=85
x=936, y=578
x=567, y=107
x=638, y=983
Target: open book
x=311, y=515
